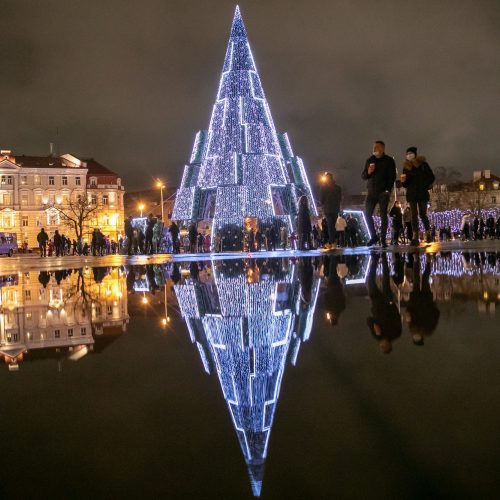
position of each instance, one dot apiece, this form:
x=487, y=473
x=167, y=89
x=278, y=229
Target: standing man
x=129, y=233
x=380, y=172
x=330, y=198
x=42, y=239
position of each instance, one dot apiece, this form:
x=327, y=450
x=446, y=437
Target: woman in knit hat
x=417, y=178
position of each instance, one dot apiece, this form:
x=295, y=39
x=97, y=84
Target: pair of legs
x=43, y=250
x=383, y=202
x=418, y=208
x=331, y=220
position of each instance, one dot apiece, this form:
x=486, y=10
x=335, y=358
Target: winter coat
x=397, y=217
x=382, y=179
x=330, y=197
x=42, y=238
x=129, y=230
x=304, y=225
x=419, y=179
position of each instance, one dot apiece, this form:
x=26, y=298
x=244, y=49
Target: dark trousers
x=331, y=220
x=130, y=238
x=383, y=202
x=43, y=249
x=418, y=208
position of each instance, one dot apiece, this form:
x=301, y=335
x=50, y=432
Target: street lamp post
x=160, y=185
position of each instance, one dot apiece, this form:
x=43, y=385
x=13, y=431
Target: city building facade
x=33, y=188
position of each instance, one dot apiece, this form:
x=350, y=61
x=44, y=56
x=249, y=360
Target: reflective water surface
x=338, y=376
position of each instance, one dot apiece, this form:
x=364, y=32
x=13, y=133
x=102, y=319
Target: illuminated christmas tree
x=241, y=171
x=246, y=328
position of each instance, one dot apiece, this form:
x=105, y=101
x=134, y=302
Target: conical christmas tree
x=246, y=331
x=241, y=171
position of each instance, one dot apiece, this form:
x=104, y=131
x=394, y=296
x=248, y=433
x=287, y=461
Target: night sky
x=130, y=82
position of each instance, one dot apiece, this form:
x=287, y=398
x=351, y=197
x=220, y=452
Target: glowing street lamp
x=141, y=207
x=160, y=186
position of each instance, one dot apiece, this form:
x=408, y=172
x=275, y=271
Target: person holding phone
x=380, y=174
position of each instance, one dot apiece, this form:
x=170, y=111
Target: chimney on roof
x=487, y=174
x=476, y=175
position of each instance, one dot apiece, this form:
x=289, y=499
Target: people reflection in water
x=385, y=321
x=334, y=296
x=422, y=314
x=306, y=280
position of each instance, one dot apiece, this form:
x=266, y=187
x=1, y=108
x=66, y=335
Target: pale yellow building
x=31, y=186
x=59, y=310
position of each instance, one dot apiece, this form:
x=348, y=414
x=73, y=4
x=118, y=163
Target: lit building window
x=481, y=187
x=64, y=180
x=7, y=179
x=36, y=180
x=93, y=199
x=24, y=198
x=24, y=180
x=51, y=180
x=65, y=199
x=104, y=199
x=25, y=221
x=495, y=185
x=78, y=181
x=38, y=199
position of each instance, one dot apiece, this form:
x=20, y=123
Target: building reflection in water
x=60, y=313
x=247, y=319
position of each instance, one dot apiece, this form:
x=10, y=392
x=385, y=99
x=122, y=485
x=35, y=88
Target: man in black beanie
x=380, y=172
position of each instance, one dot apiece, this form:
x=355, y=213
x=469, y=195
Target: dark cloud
x=131, y=82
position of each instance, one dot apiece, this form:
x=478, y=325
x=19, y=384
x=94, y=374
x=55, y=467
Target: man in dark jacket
x=174, y=232
x=42, y=239
x=58, y=243
x=330, y=198
x=129, y=233
x=380, y=172
x=150, y=224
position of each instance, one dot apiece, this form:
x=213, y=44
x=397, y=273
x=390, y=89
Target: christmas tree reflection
x=247, y=319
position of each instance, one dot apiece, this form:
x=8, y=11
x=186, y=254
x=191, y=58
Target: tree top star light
x=241, y=171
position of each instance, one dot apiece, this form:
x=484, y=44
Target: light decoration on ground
x=246, y=331
x=449, y=218
x=241, y=167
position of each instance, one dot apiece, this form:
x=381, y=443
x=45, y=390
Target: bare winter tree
x=447, y=180
x=77, y=213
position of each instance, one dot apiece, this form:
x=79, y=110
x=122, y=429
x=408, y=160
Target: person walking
x=380, y=174
x=340, y=227
x=129, y=233
x=397, y=222
x=193, y=238
x=330, y=198
x=42, y=238
x=304, y=226
x=417, y=178
x=58, y=243
x=150, y=224
x=174, y=232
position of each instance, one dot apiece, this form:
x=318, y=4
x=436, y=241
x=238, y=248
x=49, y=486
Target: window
x=10, y=180
x=495, y=185
x=4, y=179
x=119, y=181
x=29, y=316
x=15, y=337
x=104, y=199
x=493, y=199
x=93, y=181
x=25, y=221
x=57, y=334
x=77, y=181
x=93, y=199
x=27, y=296
x=24, y=180
x=7, y=220
x=7, y=199
x=39, y=221
x=51, y=180
x=24, y=198
x=109, y=310
x=7, y=179
x=70, y=332
x=38, y=199
x=64, y=180
x=36, y=180
x=83, y=330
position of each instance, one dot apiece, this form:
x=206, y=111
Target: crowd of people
x=143, y=240
x=59, y=245
x=477, y=228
